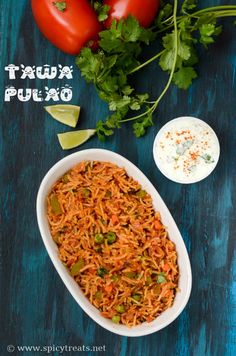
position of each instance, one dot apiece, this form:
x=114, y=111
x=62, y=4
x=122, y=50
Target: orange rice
x=113, y=242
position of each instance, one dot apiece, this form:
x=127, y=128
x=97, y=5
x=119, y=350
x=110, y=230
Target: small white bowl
x=185, y=281
x=167, y=167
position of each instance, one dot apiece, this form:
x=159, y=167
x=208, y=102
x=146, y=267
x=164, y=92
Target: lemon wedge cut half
x=67, y=114
x=74, y=139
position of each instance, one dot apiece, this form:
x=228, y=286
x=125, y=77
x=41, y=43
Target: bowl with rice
x=114, y=242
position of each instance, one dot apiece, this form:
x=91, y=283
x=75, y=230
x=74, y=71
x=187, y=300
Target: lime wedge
x=67, y=114
x=73, y=139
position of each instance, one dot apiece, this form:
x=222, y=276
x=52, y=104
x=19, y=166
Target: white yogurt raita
x=186, y=150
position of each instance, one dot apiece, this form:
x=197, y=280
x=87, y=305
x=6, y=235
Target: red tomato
x=144, y=10
x=68, y=30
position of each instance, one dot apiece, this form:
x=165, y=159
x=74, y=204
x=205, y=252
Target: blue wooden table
x=36, y=308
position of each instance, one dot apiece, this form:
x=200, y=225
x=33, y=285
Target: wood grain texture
x=36, y=308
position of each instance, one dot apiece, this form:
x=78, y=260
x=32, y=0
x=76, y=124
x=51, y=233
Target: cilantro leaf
x=125, y=35
x=193, y=59
x=163, y=14
x=188, y=5
x=108, y=86
x=168, y=41
x=109, y=42
x=140, y=126
x=166, y=60
x=184, y=50
x=114, y=120
x=207, y=31
x=147, y=36
x=184, y=76
x=90, y=64
x=208, y=18
x=127, y=90
x=185, y=25
x=131, y=30
x=103, y=131
x=142, y=97
x=119, y=103
x=135, y=105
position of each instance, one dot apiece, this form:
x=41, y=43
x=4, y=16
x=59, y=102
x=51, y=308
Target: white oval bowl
x=185, y=280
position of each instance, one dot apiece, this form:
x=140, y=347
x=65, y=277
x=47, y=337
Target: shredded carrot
x=157, y=225
x=166, y=267
x=114, y=219
x=149, y=319
x=108, y=289
x=113, y=242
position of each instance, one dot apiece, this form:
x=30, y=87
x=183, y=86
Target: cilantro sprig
x=118, y=58
x=108, y=70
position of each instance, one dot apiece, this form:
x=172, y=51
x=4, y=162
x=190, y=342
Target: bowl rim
x=61, y=269
x=158, y=135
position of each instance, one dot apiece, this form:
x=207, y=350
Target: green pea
x=148, y=280
x=98, y=295
x=77, y=267
x=115, y=278
x=120, y=309
x=65, y=178
x=131, y=275
x=99, y=238
x=102, y=272
x=136, y=297
x=116, y=319
x=86, y=193
x=108, y=194
x=111, y=237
